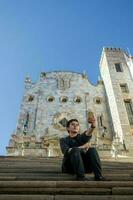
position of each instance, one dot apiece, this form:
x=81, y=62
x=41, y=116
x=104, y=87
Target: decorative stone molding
x=59, y=121
x=64, y=99
x=98, y=100
x=63, y=81
x=77, y=99
x=30, y=98
x=50, y=98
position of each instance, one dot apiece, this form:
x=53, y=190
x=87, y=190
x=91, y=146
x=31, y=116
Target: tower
x=59, y=96
x=118, y=82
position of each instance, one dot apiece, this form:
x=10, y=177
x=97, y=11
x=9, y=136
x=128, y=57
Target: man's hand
x=85, y=146
x=90, y=129
x=91, y=120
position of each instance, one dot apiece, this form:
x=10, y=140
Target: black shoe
x=82, y=178
x=100, y=178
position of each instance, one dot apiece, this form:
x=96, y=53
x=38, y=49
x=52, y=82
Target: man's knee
x=92, y=150
x=75, y=151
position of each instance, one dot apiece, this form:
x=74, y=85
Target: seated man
x=79, y=156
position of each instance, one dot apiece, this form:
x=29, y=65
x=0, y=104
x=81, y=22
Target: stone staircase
x=25, y=178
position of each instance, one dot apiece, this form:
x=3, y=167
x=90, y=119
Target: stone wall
x=59, y=96
x=112, y=80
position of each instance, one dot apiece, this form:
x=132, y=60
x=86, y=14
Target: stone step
x=28, y=170
x=25, y=165
x=24, y=160
x=56, y=170
x=93, y=197
x=33, y=161
x=30, y=162
x=57, y=166
x=47, y=174
x=26, y=197
x=41, y=178
x=61, y=178
x=50, y=159
x=65, y=197
x=55, y=191
x=66, y=191
x=65, y=184
x=30, y=167
x=122, y=190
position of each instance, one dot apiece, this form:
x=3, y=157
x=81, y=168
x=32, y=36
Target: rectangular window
x=129, y=109
x=100, y=120
x=118, y=67
x=124, y=88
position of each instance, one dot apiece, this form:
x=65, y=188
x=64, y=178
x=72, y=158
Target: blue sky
x=49, y=35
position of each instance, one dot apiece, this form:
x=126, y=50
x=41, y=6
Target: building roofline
x=81, y=74
x=113, y=49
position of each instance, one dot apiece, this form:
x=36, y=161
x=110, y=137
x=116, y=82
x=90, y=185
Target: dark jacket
x=70, y=142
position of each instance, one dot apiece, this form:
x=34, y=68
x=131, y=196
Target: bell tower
x=116, y=75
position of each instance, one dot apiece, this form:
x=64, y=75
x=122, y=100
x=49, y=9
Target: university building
x=60, y=96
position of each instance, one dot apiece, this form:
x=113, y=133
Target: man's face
x=73, y=127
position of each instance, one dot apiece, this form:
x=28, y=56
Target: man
x=79, y=156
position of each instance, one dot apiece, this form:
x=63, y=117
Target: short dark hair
x=69, y=122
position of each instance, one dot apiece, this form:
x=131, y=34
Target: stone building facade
x=59, y=96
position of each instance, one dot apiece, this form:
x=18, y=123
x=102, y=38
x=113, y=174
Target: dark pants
x=80, y=162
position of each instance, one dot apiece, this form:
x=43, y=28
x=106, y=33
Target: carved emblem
x=63, y=81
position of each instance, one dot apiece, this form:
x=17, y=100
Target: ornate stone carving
x=63, y=81
x=60, y=120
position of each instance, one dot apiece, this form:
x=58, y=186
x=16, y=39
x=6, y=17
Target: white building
x=59, y=96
